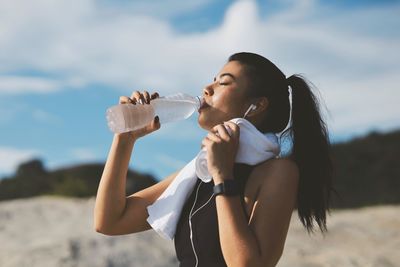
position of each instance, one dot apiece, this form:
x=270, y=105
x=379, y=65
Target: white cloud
x=14, y=85
x=9, y=111
x=367, y=103
x=158, y=8
x=12, y=111
x=83, y=154
x=18, y=85
x=348, y=55
x=11, y=157
x=44, y=116
x=170, y=162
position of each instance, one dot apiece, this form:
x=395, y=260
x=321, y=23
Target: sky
x=64, y=62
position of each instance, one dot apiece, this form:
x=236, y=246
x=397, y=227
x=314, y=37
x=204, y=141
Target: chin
x=207, y=123
x=203, y=125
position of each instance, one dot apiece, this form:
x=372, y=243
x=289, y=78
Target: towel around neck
x=253, y=146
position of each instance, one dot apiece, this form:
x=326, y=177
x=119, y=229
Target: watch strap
x=229, y=187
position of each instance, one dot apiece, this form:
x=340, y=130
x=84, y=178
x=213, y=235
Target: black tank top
x=205, y=247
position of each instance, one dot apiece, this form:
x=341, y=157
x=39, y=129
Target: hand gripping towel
x=254, y=147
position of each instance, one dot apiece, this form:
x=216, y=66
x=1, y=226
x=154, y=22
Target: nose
x=208, y=90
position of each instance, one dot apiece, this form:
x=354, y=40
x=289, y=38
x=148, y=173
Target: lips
x=204, y=105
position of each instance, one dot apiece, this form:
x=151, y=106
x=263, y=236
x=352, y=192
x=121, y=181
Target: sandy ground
x=362, y=237
x=48, y=231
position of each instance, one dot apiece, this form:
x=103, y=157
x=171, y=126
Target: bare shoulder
x=281, y=165
x=274, y=174
x=277, y=170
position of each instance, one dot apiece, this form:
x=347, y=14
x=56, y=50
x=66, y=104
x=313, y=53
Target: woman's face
x=225, y=97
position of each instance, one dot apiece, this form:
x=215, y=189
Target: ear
x=262, y=105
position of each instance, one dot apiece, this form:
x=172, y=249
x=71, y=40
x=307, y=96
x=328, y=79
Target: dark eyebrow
x=225, y=74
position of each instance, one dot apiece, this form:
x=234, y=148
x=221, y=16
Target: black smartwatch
x=229, y=187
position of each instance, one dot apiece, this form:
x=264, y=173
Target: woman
x=249, y=229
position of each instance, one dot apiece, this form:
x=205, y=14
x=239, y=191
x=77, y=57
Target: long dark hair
x=308, y=132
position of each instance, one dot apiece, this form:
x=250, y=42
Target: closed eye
x=221, y=83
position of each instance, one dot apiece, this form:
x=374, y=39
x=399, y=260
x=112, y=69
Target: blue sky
x=64, y=62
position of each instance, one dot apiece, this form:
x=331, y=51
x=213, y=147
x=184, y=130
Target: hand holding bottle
x=140, y=115
x=138, y=98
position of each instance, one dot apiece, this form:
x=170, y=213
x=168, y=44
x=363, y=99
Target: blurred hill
x=367, y=170
x=32, y=179
x=367, y=173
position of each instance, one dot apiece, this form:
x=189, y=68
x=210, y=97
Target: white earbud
x=251, y=107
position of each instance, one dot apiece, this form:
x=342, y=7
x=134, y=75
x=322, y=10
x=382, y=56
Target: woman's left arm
x=260, y=241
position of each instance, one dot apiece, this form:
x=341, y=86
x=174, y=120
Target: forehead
x=237, y=70
x=234, y=68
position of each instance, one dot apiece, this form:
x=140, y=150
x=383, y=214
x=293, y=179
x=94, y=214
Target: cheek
x=220, y=100
x=225, y=107
x=226, y=101
x=231, y=105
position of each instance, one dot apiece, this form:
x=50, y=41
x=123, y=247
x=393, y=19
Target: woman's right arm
x=133, y=218
x=114, y=213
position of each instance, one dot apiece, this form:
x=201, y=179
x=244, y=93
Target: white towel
x=254, y=147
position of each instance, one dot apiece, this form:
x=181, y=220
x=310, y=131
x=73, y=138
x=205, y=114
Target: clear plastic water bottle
x=128, y=117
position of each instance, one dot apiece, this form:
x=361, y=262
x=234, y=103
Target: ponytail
x=309, y=134
x=311, y=152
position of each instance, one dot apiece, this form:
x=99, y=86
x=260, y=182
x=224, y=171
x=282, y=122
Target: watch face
x=228, y=187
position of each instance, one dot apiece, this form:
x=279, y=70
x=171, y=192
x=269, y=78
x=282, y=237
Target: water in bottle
x=128, y=117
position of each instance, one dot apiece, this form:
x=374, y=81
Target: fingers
x=154, y=95
x=137, y=97
x=153, y=126
x=234, y=128
x=221, y=131
x=124, y=100
x=205, y=142
x=156, y=123
x=146, y=97
x=213, y=137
